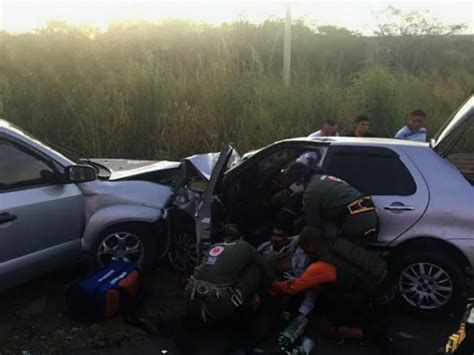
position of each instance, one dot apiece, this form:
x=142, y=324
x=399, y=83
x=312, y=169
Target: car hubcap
x=425, y=285
x=183, y=255
x=120, y=245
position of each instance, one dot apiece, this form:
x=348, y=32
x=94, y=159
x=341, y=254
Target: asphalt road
x=411, y=336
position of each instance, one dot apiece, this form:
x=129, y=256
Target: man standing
x=362, y=126
x=415, y=129
x=228, y=281
x=328, y=129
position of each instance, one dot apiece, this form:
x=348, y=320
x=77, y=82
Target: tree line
x=167, y=90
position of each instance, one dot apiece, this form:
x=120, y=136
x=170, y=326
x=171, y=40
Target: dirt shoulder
x=32, y=318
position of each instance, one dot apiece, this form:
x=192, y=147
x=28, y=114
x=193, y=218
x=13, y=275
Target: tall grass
x=169, y=90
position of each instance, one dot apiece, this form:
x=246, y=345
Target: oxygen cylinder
x=291, y=333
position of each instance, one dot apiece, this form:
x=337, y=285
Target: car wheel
x=183, y=255
x=430, y=283
x=130, y=242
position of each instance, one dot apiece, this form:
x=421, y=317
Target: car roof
x=4, y=123
x=360, y=141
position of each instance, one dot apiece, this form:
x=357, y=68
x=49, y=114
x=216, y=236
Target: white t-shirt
x=408, y=134
x=318, y=134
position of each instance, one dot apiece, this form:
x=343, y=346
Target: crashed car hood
x=124, y=168
x=99, y=194
x=204, y=163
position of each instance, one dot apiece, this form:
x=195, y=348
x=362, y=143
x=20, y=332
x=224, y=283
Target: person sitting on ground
x=328, y=129
x=415, y=129
x=284, y=252
x=228, y=281
x=362, y=126
x=280, y=245
x=290, y=261
x=346, y=276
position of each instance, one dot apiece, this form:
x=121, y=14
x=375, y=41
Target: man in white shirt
x=329, y=129
x=415, y=129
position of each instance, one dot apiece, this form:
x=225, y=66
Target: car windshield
x=71, y=154
x=78, y=158
x=67, y=152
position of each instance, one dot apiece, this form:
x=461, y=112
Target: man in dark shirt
x=362, y=126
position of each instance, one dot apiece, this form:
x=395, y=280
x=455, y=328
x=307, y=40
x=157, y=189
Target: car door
x=40, y=221
x=399, y=191
x=455, y=143
x=203, y=216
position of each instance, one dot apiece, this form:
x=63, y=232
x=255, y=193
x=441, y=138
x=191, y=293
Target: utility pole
x=287, y=47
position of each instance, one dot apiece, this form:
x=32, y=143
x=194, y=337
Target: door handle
x=399, y=208
x=7, y=217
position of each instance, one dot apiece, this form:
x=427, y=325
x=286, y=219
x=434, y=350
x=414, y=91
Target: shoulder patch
x=216, y=251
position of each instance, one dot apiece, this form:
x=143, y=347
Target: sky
x=23, y=16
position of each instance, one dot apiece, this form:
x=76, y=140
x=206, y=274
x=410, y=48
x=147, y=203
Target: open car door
x=203, y=216
x=455, y=128
x=455, y=140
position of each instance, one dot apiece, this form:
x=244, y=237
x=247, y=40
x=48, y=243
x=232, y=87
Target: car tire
x=429, y=283
x=183, y=255
x=132, y=242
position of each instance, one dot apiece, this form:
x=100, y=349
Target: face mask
x=297, y=188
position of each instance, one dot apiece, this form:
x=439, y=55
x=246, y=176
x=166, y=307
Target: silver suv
x=52, y=209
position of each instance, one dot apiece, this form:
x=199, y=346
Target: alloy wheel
x=425, y=285
x=120, y=245
x=183, y=255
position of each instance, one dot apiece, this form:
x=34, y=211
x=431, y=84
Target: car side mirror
x=81, y=173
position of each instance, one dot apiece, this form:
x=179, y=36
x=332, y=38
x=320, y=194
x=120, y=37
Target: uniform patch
x=211, y=260
x=216, y=251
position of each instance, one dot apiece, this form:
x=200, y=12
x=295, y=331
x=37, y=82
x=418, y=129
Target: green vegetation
x=172, y=89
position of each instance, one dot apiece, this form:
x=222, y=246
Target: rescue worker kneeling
x=342, y=268
x=228, y=281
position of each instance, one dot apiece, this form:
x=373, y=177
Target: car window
x=20, y=168
x=371, y=170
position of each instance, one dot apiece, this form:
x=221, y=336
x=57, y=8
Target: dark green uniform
x=329, y=199
x=361, y=279
x=227, y=280
x=358, y=270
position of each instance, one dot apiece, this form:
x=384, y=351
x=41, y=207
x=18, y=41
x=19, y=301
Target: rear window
x=371, y=170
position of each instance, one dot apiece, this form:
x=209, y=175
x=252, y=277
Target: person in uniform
x=345, y=276
x=228, y=281
x=328, y=199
